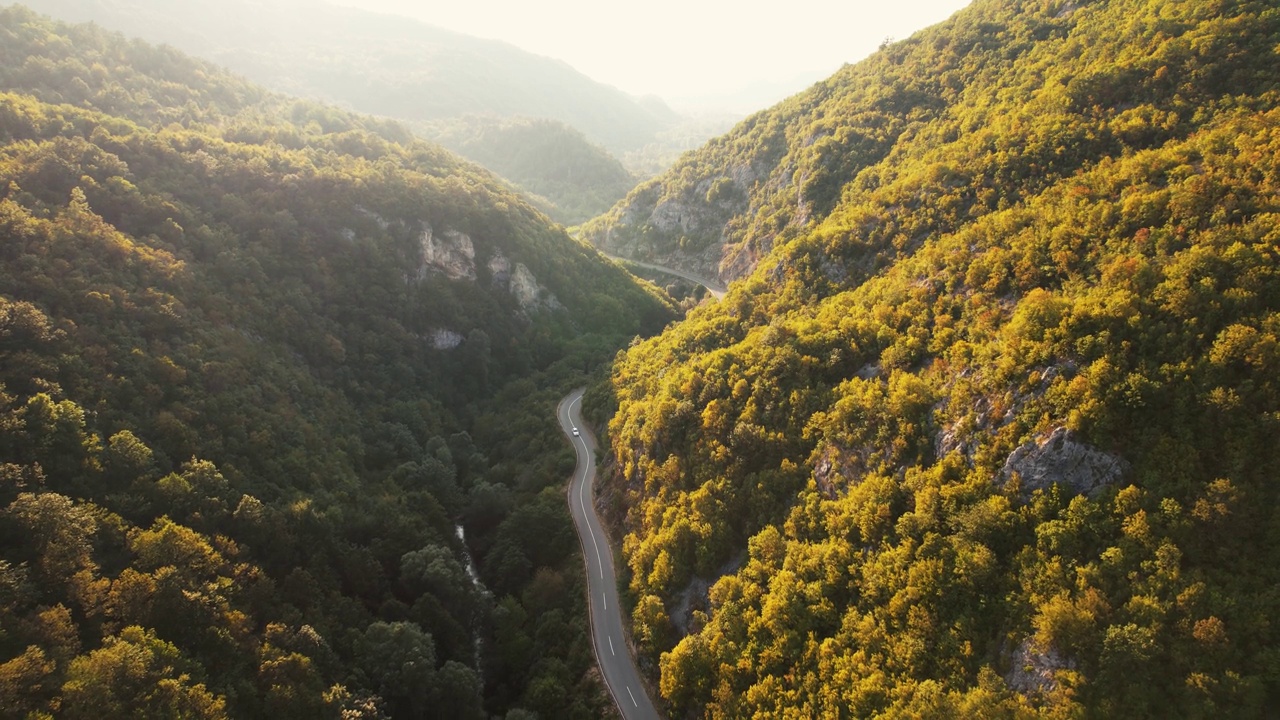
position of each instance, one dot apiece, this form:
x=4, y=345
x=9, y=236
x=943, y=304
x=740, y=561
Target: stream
x=475, y=581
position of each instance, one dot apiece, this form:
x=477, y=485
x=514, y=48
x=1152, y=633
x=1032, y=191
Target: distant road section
x=716, y=288
x=612, y=652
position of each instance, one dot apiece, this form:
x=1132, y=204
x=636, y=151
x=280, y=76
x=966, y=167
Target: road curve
x=714, y=287
x=613, y=654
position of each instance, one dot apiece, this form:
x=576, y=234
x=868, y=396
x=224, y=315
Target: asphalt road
x=714, y=287
x=612, y=652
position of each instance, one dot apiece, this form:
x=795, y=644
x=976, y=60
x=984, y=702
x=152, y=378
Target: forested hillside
x=442, y=84
x=781, y=172
x=569, y=178
x=377, y=63
x=258, y=358
x=990, y=429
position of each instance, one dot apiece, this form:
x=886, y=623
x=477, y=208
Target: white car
x=575, y=432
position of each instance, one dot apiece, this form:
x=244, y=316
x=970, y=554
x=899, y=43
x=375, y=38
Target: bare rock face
x=519, y=280
x=1063, y=459
x=500, y=269
x=838, y=468
x=695, y=597
x=1032, y=670
x=825, y=471
x=453, y=254
x=444, y=339
x=449, y=252
x=529, y=293
x=688, y=230
x=525, y=287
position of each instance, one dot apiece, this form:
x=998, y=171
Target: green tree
x=138, y=675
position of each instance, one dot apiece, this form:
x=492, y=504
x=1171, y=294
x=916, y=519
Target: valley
x=715, y=288
x=978, y=421
x=259, y=359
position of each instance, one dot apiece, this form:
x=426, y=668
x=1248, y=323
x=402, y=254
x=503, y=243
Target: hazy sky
x=687, y=50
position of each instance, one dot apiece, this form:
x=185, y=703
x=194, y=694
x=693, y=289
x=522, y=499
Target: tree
x=460, y=693
x=127, y=459
x=59, y=533
x=399, y=661
x=137, y=675
x=434, y=569
x=26, y=683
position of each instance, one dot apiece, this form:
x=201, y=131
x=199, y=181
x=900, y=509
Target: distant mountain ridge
x=451, y=88
x=571, y=179
x=377, y=63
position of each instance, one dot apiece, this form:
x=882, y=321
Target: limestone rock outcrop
x=449, y=252
x=1063, y=459
x=1032, y=670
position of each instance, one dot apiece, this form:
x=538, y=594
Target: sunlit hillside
x=986, y=426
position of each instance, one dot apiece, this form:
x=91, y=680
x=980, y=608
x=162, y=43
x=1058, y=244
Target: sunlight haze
x=699, y=55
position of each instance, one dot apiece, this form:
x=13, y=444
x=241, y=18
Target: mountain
x=382, y=64
x=263, y=364
x=569, y=178
x=443, y=84
x=986, y=425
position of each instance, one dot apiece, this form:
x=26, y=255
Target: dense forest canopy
x=260, y=359
x=781, y=172
x=988, y=426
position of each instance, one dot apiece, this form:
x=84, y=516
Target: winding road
x=714, y=287
x=608, y=639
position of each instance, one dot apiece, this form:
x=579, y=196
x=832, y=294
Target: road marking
x=582, y=493
x=586, y=516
